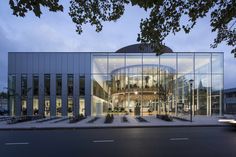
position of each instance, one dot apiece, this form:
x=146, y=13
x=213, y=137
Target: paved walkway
x=152, y=121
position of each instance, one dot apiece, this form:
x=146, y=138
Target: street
x=158, y=142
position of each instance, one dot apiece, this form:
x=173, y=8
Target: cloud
x=55, y=32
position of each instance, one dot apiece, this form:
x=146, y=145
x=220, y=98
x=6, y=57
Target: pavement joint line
x=17, y=143
x=103, y=141
x=179, y=139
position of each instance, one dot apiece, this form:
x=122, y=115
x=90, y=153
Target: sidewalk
x=152, y=121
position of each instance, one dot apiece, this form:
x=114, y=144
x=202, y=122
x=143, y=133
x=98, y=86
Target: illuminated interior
x=141, y=84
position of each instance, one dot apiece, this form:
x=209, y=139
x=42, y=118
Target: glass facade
x=143, y=84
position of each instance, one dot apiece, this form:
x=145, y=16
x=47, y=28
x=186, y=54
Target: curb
x=112, y=127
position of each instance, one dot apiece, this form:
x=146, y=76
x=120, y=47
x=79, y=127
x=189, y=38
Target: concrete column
x=41, y=94
x=53, y=95
x=18, y=94
x=30, y=94
x=87, y=94
x=64, y=95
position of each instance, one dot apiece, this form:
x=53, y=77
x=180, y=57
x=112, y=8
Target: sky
x=55, y=32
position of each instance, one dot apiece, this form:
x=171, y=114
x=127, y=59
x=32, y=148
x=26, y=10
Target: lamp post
x=138, y=105
x=191, y=101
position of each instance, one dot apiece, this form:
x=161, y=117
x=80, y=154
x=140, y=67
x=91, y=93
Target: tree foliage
x=164, y=16
x=21, y=7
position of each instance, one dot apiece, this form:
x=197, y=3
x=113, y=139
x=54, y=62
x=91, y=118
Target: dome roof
x=142, y=48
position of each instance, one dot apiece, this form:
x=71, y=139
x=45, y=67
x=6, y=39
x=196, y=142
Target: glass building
x=131, y=81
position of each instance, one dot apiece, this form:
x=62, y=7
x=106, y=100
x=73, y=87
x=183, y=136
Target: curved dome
x=142, y=48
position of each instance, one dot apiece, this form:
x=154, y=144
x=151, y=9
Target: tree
x=164, y=16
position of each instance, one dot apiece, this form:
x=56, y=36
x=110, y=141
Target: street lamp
x=137, y=110
x=191, y=90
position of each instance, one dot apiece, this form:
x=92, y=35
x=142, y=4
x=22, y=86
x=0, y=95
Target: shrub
x=109, y=118
x=164, y=117
x=140, y=119
x=124, y=119
x=75, y=119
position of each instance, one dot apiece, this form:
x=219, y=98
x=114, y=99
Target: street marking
x=103, y=141
x=19, y=143
x=179, y=139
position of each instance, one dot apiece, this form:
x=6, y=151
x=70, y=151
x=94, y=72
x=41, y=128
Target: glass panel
x=35, y=85
x=70, y=84
x=58, y=84
x=35, y=106
x=24, y=85
x=23, y=106
x=47, y=106
x=183, y=97
x=100, y=86
x=217, y=63
x=12, y=93
x=47, y=94
x=202, y=63
x=47, y=84
x=203, y=94
x=216, y=96
x=58, y=106
x=115, y=62
x=150, y=60
x=101, y=89
x=82, y=85
x=133, y=64
x=168, y=60
x=82, y=106
x=24, y=92
x=99, y=64
x=70, y=106
x=130, y=100
x=185, y=63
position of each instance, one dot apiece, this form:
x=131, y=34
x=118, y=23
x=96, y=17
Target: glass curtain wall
x=142, y=84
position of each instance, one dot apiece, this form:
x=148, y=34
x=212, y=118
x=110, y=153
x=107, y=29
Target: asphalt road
x=130, y=142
